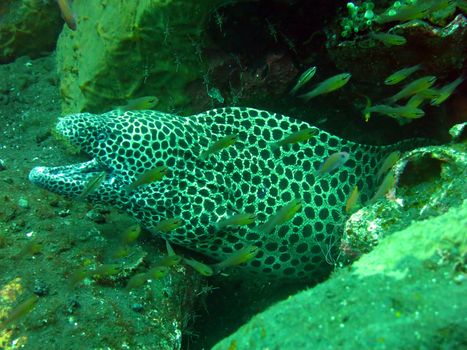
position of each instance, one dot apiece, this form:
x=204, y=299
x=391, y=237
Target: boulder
x=123, y=50
x=409, y=293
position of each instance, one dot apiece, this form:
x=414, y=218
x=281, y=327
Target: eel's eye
x=101, y=136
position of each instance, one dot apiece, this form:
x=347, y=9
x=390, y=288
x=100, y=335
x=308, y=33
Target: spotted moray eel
x=246, y=177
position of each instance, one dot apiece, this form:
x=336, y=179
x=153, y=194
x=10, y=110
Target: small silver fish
x=408, y=111
x=352, y=202
x=236, y=220
x=152, y=175
x=388, y=163
x=238, y=257
x=140, y=103
x=413, y=88
x=67, y=13
x=299, y=136
x=405, y=12
x=401, y=74
x=386, y=185
x=218, y=146
x=283, y=215
x=328, y=85
x=446, y=91
x=304, y=78
x=200, y=267
x=333, y=162
x=167, y=225
x=93, y=183
x=389, y=39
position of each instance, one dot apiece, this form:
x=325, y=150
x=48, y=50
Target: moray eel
x=247, y=177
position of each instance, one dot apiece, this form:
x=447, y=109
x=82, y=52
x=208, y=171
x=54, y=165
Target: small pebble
x=457, y=130
x=137, y=307
x=63, y=213
x=23, y=203
x=40, y=288
x=72, y=306
x=95, y=216
x=9, y=180
x=2, y=165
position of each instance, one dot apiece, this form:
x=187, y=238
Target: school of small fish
x=415, y=93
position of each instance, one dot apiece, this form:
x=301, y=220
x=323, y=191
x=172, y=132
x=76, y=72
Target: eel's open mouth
x=69, y=180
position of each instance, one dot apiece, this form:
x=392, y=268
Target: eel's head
x=97, y=136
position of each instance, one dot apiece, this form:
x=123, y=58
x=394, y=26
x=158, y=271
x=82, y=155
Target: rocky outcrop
x=408, y=293
x=28, y=27
x=123, y=50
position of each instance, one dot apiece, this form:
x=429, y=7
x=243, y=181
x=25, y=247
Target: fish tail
x=391, y=100
x=219, y=225
x=309, y=96
x=129, y=188
x=216, y=268
x=294, y=90
x=203, y=156
x=274, y=146
x=266, y=228
x=170, y=250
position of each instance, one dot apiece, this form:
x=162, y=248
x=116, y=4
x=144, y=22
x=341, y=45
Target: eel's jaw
x=68, y=180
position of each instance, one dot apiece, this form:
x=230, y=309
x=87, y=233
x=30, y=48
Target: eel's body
x=245, y=177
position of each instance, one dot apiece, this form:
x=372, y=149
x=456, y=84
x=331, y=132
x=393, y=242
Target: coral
x=153, y=49
x=439, y=50
x=360, y=18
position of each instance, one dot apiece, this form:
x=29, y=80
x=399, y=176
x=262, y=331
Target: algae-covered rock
x=28, y=27
x=440, y=50
x=429, y=181
x=457, y=131
x=123, y=50
x=409, y=293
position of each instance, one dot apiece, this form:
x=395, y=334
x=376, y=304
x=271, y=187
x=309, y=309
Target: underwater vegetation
x=362, y=17
x=222, y=155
